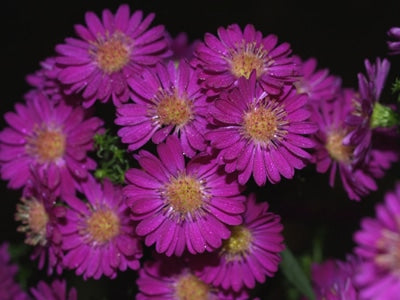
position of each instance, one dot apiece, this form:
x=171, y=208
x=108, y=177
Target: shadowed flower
x=167, y=100
x=378, y=244
x=52, y=138
x=182, y=206
x=107, y=52
x=98, y=237
x=250, y=254
x=394, y=42
x=260, y=135
x=237, y=53
x=57, y=290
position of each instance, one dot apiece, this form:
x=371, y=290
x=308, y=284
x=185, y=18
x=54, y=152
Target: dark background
x=339, y=35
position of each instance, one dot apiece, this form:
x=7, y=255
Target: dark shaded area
x=340, y=36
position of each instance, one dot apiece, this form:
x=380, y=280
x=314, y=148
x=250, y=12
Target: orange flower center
x=189, y=287
x=335, y=147
x=264, y=123
x=103, y=225
x=34, y=218
x=113, y=52
x=47, y=144
x=184, y=194
x=173, y=110
x=247, y=58
x=238, y=243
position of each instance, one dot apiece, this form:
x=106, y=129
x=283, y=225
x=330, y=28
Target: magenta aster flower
x=9, y=288
x=259, y=135
x=378, y=243
x=334, y=152
x=172, y=279
x=318, y=84
x=182, y=206
x=237, y=53
x=333, y=279
x=40, y=216
x=57, y=290
x=181, y=46
x=107, y=52
x=250, y=254
x=168, y=101
x=53, y=139
x=394, y=42
x=98, y=237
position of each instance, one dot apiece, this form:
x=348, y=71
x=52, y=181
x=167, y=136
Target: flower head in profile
x=182, y=206
x=378, y=244
x=394, y=40
x=98, y=237
x=172, y=279
x=250, y=254
x=107, y=52
x=259, y=135
x=167, y=100
x=56, y=290
x=237, y=53
x=51, y=138
x=333, y=279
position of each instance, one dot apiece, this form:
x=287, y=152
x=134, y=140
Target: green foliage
x=111, y=158
x=396, y=88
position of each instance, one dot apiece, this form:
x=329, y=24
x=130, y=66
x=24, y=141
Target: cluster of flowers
x=222, y=111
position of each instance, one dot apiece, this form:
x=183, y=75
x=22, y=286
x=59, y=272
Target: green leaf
x=295, y=274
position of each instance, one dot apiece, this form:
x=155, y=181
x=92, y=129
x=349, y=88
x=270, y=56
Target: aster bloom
x=237, y=53
x=52, y=138
x=98, y=237
x=181, y=46
x=260, y=135
x=182, y=206
x=107, y=52
x=394, y=42
x=171, y=279
x=333, y=279
x=334, y=153
x=40, y=216
x=57, y=290
x=9, y=288
x=167, y=100
x=378, y=244
x=318, y=84
x=251, y=253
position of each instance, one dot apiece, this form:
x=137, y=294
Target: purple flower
x=51, y=138
x=41, y=216
x=333, y=279
x=378, y=243
x=167, y=100
x=318, y=84
x=182, y=206
x=394, y=42
x=98, y=237
x=173, y=279
x=107, y=52
x=57, y=290
x=9, y=288
x=261, y=135
x=181, y=46
x=250, y=254
x=237, y=53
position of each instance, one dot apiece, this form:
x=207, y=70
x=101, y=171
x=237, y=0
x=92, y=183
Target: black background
x=340, y=35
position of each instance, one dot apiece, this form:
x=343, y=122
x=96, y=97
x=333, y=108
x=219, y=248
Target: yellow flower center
x=189, y=287
x=388, y=256
x=47, y=144
x=335, y=147
x=103, y=225
x=173, y=109
x=238, y=243
x=264, y=123
x=184, y=194
x=113, y=52
x=34, y=218
x=247, y=58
